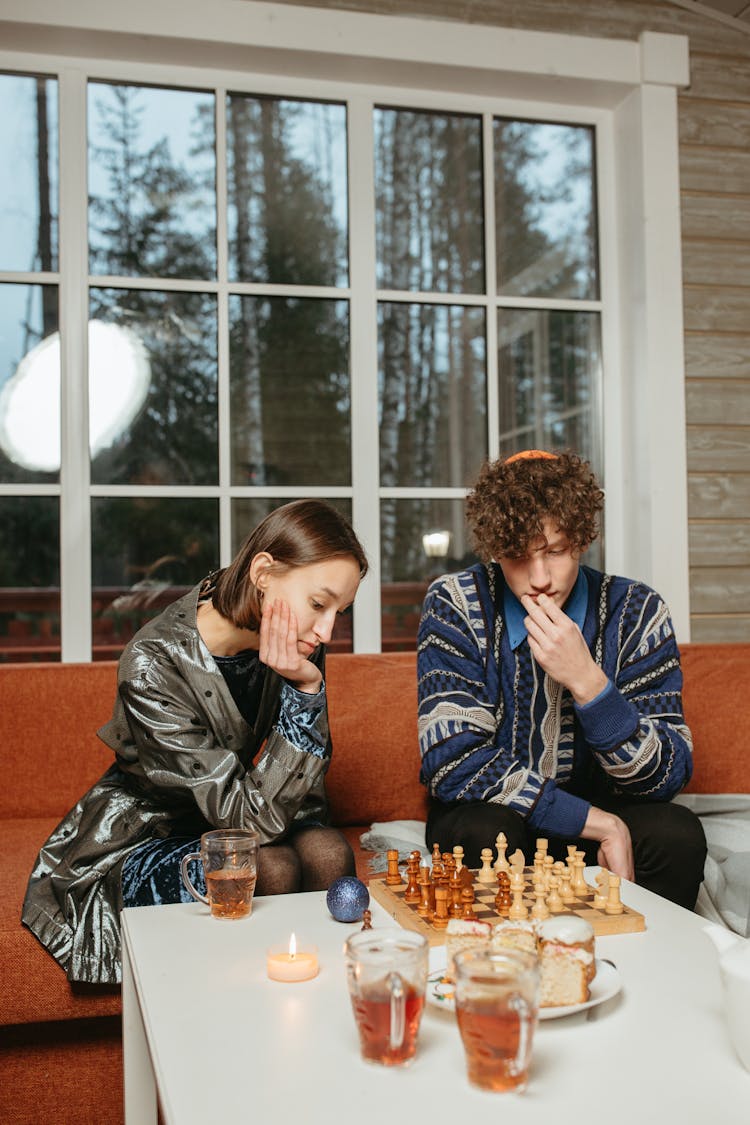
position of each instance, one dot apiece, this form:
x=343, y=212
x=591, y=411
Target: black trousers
x=669, y=846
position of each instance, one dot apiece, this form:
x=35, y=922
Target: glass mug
x=230, y=866
x=497, y=1005
x=387, y=975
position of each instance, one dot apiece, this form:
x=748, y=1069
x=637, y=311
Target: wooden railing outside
x=30, y=619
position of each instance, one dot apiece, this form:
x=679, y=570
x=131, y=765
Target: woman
x=235, y=663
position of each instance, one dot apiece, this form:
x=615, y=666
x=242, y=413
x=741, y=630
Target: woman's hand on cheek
x=279, y=647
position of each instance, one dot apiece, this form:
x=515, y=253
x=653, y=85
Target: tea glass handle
x=518, y=1004
x=186, y=859
x=398, y=1010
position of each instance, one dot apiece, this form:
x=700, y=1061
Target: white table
x=204, y=1027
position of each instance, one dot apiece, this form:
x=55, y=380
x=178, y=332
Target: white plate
x=606, y=983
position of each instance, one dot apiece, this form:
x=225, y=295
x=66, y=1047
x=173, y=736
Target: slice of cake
x=462, y=933
x=515, y=935
x=566, y=960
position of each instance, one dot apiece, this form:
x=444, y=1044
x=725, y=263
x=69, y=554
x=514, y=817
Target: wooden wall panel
x=716, y=263
x=717, y=309
x=714, y=124
x=718, y=495
x=712, y=628
x=717, y=217
x=722, y=402
x=725, y=446
x=718, y=589
x=720, y=543
x=722, y=356
x=710, y=169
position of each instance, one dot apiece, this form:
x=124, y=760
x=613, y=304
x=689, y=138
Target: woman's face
x=314, y=593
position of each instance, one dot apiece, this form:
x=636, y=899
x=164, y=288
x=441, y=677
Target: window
x=292, y=287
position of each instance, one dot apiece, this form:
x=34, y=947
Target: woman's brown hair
x=297, y=534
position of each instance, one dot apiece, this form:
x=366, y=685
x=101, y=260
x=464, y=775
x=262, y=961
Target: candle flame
x=292, y=947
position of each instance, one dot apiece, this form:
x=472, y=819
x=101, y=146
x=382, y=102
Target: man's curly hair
x=512, y=498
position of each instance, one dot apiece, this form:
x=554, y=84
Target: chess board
x=391, y=898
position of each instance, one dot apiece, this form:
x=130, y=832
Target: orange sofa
x=60, y=1045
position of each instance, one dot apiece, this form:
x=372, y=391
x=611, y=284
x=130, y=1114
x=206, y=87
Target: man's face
x=550, y=567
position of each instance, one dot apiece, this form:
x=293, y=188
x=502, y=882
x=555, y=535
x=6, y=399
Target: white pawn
x=486, y=874
x=501, y=863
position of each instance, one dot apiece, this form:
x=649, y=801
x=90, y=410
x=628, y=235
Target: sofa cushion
x=716, y=686
x=33, y=987
x=372, y=707
x=51, y=754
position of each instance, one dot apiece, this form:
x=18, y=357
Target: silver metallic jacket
x=184, y=764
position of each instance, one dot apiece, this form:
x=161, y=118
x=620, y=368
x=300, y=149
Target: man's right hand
x=615, y=845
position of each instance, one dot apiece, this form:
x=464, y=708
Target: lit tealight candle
x=291, y=964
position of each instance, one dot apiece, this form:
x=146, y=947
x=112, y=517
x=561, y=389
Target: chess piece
x=602, y=889
x=426, y=905
x=441, y=918
x=539, y=910
x=436, y=857
x=501, y=843
x=542, y=845
x=455, y=887
x=555, y=903
x=458, y=855
x=578, y=885
x=517, y=860
x=412, y=894
x=393, y=877
x=485, y=873
x=566, y=893
x=614, y=904
x=467, y=904
x=367, y=920
x=518, y=909
x=503, y=898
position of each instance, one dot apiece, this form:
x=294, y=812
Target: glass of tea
x=497, y=1004
x=230, y=867
x=387, y=974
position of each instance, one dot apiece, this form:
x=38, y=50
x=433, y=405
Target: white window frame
x=628, y=90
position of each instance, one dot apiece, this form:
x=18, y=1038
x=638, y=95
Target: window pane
x=247, y=512
x=152, y=387
x=28, y=173
x=290, y=391
x=545, y=210
x=420, y=540
x=433, y=395
x=288, y=192
x=428, y=192
x=29, y=384
x=145, y=554
x=549, y=367
x=152, y=182
x=29, y=578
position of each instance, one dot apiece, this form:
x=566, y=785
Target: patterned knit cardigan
x=494, y=727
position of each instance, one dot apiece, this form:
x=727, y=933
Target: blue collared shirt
x=514, y=613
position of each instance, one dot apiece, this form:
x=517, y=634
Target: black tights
x=669, y=847
x=309, y=860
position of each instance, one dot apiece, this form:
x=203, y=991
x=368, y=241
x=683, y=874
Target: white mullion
x=490, y=273
x=222, y=311
x=364, y=366
x=75, y=506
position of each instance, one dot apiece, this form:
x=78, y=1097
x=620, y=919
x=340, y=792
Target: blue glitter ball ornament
x=347, y=899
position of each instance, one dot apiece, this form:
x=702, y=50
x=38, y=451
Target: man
x=550, y=693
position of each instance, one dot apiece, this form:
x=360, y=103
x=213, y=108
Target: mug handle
x=518, y=1004
x=398, y=1010
x=186, y=859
